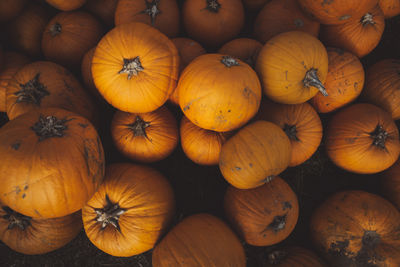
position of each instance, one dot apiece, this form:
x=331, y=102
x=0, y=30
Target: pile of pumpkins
x=249, y=105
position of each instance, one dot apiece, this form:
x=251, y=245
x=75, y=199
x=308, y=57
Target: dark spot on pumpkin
x=186, y=107
x=229, y=110
x=278, y=223
x=356, y=85
x=238, y=168
x=251, y=165
x=37, y=212
x=246, y=92
x=286, y=205
x=17, y=190
x=344, y=17
x=83, y=125
x=23, y=195
x=298, y=23
x=26, y=187
x=16, y=146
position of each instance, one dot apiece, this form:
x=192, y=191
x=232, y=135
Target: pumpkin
x=357, y=228
x=66, y=5
x=12, y=63
x=9, y=9
x=86, y=73
x=382, y=86
x=47, y=84
x=358, y=36
x=255, y=154
x=337, y=11
x=212, y=22
x=390, y=180
x=135, y=67
x=279, y=16
x=265, y=215
x=199, y=240
x=390, y=8
x=218, y=92
x=161, y=14
x=56, y=159
x=69, y=35
x=362, y=138
x=293, y=256
x=188, y=50
x=32, y=236
x=130, y=211
x=199, y=145
x=145, y=137
x=344, y=82
x=292, y=67
x=103, y=9
x=245, y=49
x=301, y=124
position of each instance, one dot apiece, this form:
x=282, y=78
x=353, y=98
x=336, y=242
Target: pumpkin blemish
x=16, y=146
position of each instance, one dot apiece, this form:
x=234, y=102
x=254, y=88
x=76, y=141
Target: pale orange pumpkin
x=390, y=8
x=245, y=49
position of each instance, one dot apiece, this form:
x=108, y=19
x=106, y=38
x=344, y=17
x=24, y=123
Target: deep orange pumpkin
x=66, y=5
x=293, y=257
x=9, y=9
x=245, y=49
x=103, y=9
x=390, y=8
x=390, y=180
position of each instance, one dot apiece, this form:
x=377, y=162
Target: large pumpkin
x=245, y=49
x=66, y=5
x=200, y=240
x=362, y=138
x=390, y=8
x=135, y=67
x=218, y=92
x=52, y=163
x=293, y=256
x=357, y=229
x=255, y=154
x=390, y=180
x=130, y=211
x=292, y=67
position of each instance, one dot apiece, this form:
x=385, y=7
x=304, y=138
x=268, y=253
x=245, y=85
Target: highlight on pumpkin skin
x=245, y=49
x=66, y=5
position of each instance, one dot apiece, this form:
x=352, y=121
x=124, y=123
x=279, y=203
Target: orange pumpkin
x=69, y=35
x=213, y=22
x=199, y=145
x=218, y=92
x=245, y=49
x=86, y=73
x=382, y=86
x=255, y=154
x=161, y=14
x=344, y=82
x=357, y=228
x=362, y=138
x=199, y=240
x=66, y=5
x=293, y=257
x=9, y=9
x=130, y=211
x=279, y=16
x=60, y=163
x=265, y=215
x=135, y=67
x=359, y=36
x=33, y=236
x=103, y=9
x=145, y=137
x=390, y=8
x=292, y=67
x=301, y=124
x=390, y=180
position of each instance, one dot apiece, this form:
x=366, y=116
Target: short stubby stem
x=55, y=29
x=379, y=136
x=109, y=215
x=229, y=61
x=213, y=6
x=311, y=79
x=277, y=256
x=16, y=219
x=367, y=19
x=32, y=92
x=152, y=10
x=49, y=126
x=139, y=126
x=132, y=67
x=291, y=132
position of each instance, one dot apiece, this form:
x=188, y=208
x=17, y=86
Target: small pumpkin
x=218, y=92
x=135, y=67
x=390, y=8
x=255, y=154
x=34, y=236
x=265, y=215
x=130, y=211
x=199, y=240
x=103, y=9
x=145, y=137
x=357, y=229
x=390, y=180
x=245, y=49
x=293, y=256
x=292, y=67
x=279, y=16
x=66, y=5
x=362, y=138
x=10, y=9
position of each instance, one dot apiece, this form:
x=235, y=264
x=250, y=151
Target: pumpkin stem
x=49, y=126
x=367, y=19
x=229, y=61
x=379, y=136
x=291, y=132
x=55, y=29
x=213, y=6
x=276, y=257
x=109, y=214
x=16, y=219
x=31, y=92
x=371, y=239
x=278, y=223
x=139, y=126
x=131, y=67
x=151, y=10
x=311, y=79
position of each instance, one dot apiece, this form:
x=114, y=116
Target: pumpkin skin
x=255, y=154
x=254, y=5
x=301, y=124
x=145, y=137
x=337, y=11
x=161, y=14
x=390, y=8
x=245, y=49
x=201, y=146
x=58, y=169
x=11, y=64
x=103, y=9
x=212, y=22
x=357, y=228
x=86, y=73
x=199, y=240
x=218, y=92
x=33, y=236
x=279, y=16
x=362, y=138
x=382, y=86
x=66, y=5
x=344, y=82
x=140, y=202
x=358, y=36
x=69, y=35
x=390, y=180
x=273, y=214
x=291, y=65
x=9, y=9
x=128, y=75
x=293, y=257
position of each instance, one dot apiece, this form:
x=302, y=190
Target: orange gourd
x=293, y=257
x=245, y=49
x=103, y=9
x=390, y=8
x=66, y=5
